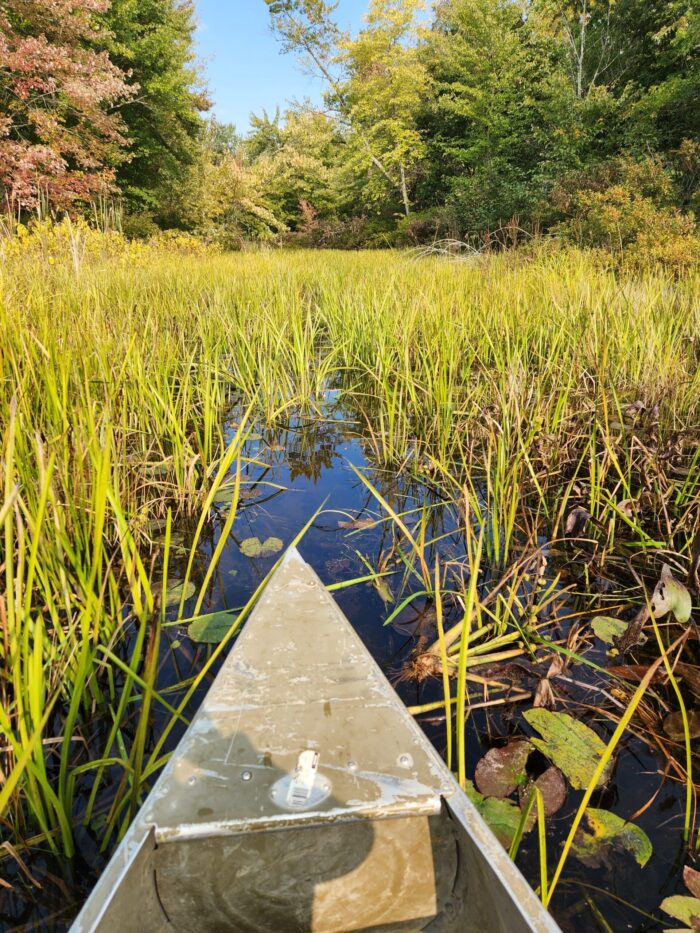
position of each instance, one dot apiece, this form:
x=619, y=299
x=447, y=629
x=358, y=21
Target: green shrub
x=626, y=207
x=139, y=226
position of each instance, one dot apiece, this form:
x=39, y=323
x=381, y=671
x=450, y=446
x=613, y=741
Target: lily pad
x=173, y=593
x=607, y=628
x=685, y=909
x=384, y=590
x=674, y=726
x=224, y=494
x=691, y=879
x=571, y=745
x=211, y=628
x=691, y=675
x=254, y=547
x=501, y=770
x=670, y=595
x=502, y=816
x=608, y=829
x=552, y=785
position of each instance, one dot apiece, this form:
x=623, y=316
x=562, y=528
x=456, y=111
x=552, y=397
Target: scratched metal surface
x=300, y=678
x=217, y=847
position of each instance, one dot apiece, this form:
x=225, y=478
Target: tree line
x=470, y=119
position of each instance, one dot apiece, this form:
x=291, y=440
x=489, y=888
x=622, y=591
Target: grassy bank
x=520, y=388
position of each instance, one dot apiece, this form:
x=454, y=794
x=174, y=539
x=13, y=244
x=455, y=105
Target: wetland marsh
x=489, y=462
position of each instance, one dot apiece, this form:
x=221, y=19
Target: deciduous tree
x=60, y=132
x=153, y=41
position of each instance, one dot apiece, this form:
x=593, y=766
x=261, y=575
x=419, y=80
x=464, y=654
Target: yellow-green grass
x=506, y=382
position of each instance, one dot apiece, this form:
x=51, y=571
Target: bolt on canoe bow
x=304, y=797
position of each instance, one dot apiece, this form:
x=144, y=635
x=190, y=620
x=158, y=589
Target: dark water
x=306, y=465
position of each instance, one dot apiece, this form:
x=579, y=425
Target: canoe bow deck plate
x=304, y=797
x=299, y=680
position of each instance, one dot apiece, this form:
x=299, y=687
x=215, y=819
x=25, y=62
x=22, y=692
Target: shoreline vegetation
x=485, y=123
x=549, y=403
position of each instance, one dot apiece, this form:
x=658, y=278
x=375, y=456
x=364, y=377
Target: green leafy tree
x=152, y=40
x=220, y=139
x=385, y=83
x=300, y=168
x=501, y=121
x=374, y=85
x=265, y=136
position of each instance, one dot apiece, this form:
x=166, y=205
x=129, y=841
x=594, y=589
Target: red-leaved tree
x=60, y=134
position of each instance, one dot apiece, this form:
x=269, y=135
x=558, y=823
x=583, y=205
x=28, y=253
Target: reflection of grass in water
x=516, y=393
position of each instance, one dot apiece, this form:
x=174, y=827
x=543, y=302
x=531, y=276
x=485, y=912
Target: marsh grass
x=516, y=391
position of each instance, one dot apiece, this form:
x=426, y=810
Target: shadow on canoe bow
x=304, y=797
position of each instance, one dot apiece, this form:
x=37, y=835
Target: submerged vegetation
x=529, y=430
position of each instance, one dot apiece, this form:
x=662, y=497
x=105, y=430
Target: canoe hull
x=378, y=836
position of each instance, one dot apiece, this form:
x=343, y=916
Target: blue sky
x=244, y=67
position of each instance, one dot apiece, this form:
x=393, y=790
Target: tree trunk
x=404, y=193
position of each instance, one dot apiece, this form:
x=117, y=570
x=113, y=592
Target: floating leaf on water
x=336, y=565
x=224, y=494
x=683, y=908
x=356, y=523
x=233, y=572
x=628, y=507
x=384, y=590
x=173, y=593
x=636, y=673
x=571, y=745
x=691, y=879
x=211, y=628
x=671, y=595
x=607, y=628
x=608, y=829
x=576, y=522
x=502, y=816
x=501, y=770
x=675, y=728
x=552, y=786
x=691, y=675
x=254, y=547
